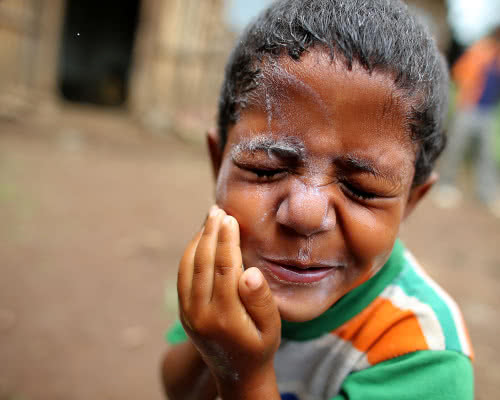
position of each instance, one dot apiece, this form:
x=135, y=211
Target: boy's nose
x=307, y=210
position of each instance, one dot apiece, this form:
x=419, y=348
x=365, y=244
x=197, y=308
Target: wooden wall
x=17, y=44
x=29, y=44
x=181, y=49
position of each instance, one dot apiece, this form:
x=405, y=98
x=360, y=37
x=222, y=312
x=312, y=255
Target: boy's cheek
x=243, y=201
x=372, y=234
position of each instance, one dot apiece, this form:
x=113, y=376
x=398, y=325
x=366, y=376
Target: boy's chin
x=298, y=311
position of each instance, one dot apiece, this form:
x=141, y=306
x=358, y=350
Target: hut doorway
x=96, y=52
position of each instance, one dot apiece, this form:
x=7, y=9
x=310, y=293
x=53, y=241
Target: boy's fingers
x=185, y=274
x=258, y=301
x=203, y=264
x=227, y=265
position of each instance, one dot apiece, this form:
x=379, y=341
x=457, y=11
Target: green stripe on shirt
x=429, y=375
x=416, y=286
x=176, y=333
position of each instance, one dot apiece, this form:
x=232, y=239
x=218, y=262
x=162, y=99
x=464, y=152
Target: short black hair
x=378, y=34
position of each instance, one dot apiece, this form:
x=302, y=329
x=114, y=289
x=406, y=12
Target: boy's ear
x=418, y=192
x=213, y=143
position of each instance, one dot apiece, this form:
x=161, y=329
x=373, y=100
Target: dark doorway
x=96, y=51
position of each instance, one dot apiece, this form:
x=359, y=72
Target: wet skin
x=316, y=177
x=318, y=173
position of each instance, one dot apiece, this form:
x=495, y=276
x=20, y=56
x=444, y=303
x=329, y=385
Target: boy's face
x=318, y=173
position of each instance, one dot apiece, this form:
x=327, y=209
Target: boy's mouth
x=296, y=272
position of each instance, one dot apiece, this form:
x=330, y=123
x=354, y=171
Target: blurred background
x=104, y=178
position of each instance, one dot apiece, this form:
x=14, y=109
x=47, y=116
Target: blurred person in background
x=477, y=76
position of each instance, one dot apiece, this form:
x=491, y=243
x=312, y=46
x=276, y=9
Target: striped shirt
x=397, y=336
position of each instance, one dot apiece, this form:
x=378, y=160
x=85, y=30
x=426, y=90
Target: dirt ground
x=94, y=216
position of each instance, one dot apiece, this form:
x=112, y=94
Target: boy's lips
x=298, y=272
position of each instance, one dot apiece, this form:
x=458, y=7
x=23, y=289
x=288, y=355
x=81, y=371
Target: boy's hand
x=230, y=315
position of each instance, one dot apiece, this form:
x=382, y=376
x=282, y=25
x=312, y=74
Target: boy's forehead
x=281, y=79
x=286, y=84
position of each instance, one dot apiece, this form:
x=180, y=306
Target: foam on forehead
x=274, y=82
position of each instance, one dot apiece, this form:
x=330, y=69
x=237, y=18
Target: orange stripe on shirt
x=383, y=331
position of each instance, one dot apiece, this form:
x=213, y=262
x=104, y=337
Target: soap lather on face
x=319, y=188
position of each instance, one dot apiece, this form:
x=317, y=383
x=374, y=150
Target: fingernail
x=213, y=210
x=253, y=279
x=228, y=220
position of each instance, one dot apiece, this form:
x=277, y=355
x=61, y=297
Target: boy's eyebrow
x=363, y=165
x=289, y=147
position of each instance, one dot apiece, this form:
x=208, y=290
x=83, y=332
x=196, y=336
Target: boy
x=330, y=121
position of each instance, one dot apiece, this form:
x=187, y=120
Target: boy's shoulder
x=412, y=313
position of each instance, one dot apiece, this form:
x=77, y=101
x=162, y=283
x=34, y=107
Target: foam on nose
x=306, y=209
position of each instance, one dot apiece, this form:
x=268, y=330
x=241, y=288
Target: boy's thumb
x=258, y=300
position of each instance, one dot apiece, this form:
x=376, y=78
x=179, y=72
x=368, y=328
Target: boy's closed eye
x=369, y=189
x=357, y=192
x=264, y=173
x=267, y=163
x=264, y=160
x=260, y=167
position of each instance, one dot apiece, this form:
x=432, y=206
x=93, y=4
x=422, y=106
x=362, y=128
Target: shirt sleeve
x=176, y=333
x=430, y=375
